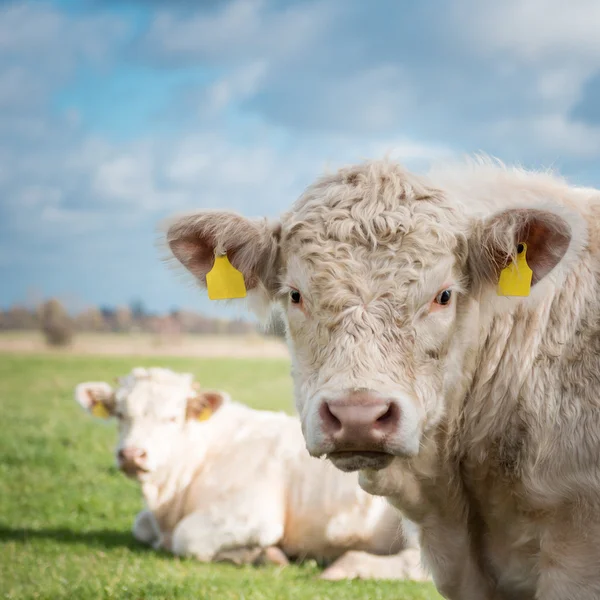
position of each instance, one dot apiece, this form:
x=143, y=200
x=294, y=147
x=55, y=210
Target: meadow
x=66, y=512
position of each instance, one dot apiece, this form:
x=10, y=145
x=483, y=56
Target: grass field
x=66, y=512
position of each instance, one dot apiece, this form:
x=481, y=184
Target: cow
x=474, y=409
x=224, y=482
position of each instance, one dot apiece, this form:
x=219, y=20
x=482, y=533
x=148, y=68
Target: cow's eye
x=443, y=298
x=295, y=297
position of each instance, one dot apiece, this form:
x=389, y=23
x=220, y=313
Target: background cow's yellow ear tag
x=204, y=414
x=224, y=281
x=99, y=410
x=515, y=279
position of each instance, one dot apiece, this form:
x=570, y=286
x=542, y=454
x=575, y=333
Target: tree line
x=60, y=326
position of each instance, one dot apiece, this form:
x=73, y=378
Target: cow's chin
x=348, y=461
x=137, y=473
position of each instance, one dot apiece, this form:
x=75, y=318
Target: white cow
x=224, y=482
x=478, y=415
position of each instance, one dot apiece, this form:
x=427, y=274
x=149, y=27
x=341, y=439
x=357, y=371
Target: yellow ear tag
x=224, y=281
x=204, y=414
x=515, y=279
x=100, y=410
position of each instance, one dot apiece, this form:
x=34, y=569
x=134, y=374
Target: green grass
x=66, y=512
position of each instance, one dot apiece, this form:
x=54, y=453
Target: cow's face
x=375, y=272
x=152, y=407
x=371, y=304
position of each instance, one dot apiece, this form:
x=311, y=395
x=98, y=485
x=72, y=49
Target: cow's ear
x=252, y=246
x=495, y=243
x=204, y=404
x=97, y=397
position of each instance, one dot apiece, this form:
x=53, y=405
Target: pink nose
x=359, y=421
x=132, y=458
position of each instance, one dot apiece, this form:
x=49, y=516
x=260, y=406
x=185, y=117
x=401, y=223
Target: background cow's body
x=241, y=481
x=477, y=415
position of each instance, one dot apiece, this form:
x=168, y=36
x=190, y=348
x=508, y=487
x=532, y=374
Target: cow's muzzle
x=364, y=429
x=133, y=461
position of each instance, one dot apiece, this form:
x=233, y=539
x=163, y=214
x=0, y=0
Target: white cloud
x=18, y=88
x=237, y=86
x=211, y=169
x=537, y=31
x=241, y=29
x=560, y=87
x=34, y=196
x=370, y=100
x=100, y=184
x=40, y=45
x=558, y=42
x=550, y=49
x=319, y=68
x=555, y=135
x=124, y=178
x=40, y=48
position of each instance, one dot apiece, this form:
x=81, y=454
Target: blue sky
x=114, y=115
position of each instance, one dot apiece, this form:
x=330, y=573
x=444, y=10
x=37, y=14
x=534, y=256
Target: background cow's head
x=152, y=407
x=377, y=273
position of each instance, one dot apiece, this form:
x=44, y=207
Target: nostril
x=386, y=416
x=331, y=423
x=142, y=454
x=389, y=418
x=121, y=455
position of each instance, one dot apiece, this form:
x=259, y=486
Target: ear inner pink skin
x=201, y=401
x=547, y=237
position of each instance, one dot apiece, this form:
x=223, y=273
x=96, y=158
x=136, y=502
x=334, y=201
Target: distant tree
x=107, y=312
x=91, y=319
x=138, y=309
x=109, y=317
x=56, y=324
x=19, y=317
x=240, y=327
x=52, y=317
x=123, y=319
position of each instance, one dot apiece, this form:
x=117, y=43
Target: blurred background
x=116, y=114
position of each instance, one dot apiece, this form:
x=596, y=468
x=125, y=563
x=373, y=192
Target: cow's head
x=152, y=407
x=375, y=271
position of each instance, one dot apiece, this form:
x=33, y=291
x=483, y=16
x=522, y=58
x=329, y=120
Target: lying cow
x=224, y=482
x=477, y=414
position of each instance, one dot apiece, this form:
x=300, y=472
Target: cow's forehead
x=145, y=395
x=377, y=206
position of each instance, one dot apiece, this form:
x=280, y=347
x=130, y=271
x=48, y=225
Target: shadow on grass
x=100, y=538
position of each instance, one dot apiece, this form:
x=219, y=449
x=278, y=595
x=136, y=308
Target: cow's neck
x=166, y=492
x=519, y=359
x=162, y=487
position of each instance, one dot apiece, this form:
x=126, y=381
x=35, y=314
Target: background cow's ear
x=493, y=243
x=97, y=397
x=251, y=246
x=202, y=406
